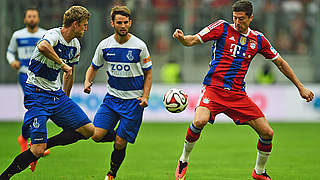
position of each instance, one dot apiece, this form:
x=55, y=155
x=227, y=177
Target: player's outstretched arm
x=188, y=40
x=288, y=72
x=90, y=75
x=47, y=50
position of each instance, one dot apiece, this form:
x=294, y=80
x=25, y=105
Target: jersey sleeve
x=267, y=49
x=146, y=60
x=51, y=37
x=98, y=61
x=211, y=32
x=12, y=49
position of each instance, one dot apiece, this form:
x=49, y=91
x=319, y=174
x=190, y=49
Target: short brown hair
x=122, y=10
x=75, y=13
x=243, y=6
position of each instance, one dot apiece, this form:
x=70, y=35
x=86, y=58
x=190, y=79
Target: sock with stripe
x=264, y=147
x=193, y=135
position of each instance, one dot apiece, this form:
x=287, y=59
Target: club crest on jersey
x=35, y=123
x=130, y=56
x=206, y=100
x=243, y=40
x=252, y=45
x=71, y=54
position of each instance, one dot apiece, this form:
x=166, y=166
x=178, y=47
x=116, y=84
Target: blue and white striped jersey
x=21, y=45
x=44, y=72
x=125, y=64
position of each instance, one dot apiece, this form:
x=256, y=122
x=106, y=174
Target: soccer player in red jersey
x=234, y=47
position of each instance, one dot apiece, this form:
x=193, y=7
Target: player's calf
x=86, y=130
x=108, y=137
x=20, y=163
x=65, y=138
x=117, y=158
x=193, y=133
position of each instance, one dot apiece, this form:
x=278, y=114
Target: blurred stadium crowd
x=292, y=26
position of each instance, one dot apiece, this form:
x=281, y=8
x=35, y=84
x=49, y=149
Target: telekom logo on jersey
x=235, y=49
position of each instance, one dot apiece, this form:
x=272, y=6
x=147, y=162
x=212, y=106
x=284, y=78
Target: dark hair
x=122, y=10
x=243, y=6
x=30, y=9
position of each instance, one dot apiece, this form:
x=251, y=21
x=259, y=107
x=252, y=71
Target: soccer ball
x=175, y=100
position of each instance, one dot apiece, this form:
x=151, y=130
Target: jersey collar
x=247, y=34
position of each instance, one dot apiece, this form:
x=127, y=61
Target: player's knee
x=96, y=138
x=270, y=133
x=200, y=123
x=267, y=134
x=88, y=131
x=38, y=152
x=119, y=145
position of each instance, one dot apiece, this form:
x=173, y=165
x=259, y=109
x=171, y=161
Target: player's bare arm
x=146, y=88
x=90, y=75
x=47, y=50
x=15, y=64
x=188, y=40
x=285, y=68
x=68, y=82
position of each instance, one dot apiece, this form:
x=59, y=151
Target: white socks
x=262, y=158
x=186, y=151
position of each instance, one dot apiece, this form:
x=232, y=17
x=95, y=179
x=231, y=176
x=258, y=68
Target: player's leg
x=38, y=138
x=103, y=135
x=117, y=156
x=202, y=116
x=104, y=121
x=265, y=132
x=70, y=136
x=22, y=161
x=130, y=116
x=75, y=123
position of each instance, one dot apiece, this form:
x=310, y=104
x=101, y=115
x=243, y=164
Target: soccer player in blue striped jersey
x=129, y=71
x=59, y=49
x=20, y=49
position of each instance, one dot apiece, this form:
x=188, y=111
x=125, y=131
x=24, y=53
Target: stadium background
x=292, y=26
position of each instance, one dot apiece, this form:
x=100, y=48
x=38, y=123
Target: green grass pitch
x=224, y=152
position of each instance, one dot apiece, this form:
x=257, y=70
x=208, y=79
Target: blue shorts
x=43, y=105
x=127, y=111
x=22, y=77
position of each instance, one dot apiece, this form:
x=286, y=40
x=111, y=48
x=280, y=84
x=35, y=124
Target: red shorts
x=237, y=105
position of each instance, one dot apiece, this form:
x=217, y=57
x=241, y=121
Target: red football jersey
x=232, y=53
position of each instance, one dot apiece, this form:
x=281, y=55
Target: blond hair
x=75, y=13
x=122, y=10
